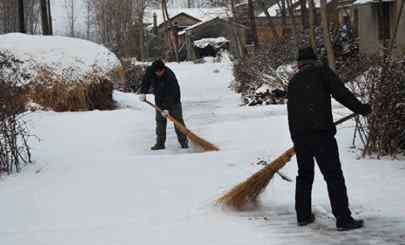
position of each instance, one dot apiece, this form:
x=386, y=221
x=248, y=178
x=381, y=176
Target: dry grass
x=53, y=92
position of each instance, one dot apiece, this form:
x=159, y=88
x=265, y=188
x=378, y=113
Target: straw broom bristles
x=207, y=146
x=248, y=191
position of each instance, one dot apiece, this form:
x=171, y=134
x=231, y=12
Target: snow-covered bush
x=253, y=72
x=63, y=74
x=272, y=65
x=386, y=124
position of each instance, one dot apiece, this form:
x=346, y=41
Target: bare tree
x=312, y=23
x=50, y=17
x=170, y=31
x=235, y=30
x=70, y=7
x=252, y=20
x=293, y=22
x=326, y=36
x=304, y=14
x=45, y=19
x=16, y=14
x=21, y=19
x=400, y=9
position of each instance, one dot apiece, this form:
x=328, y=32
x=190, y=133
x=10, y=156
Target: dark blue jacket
x=166, y=88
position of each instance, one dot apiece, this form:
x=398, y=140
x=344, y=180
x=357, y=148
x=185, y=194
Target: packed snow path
x=95, y=181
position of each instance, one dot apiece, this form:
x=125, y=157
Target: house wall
x=369, y=32
x=264, y=33
x=217, y=28
x=368, y=29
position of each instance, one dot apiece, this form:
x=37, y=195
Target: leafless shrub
x=386, y=85
x=14, y=148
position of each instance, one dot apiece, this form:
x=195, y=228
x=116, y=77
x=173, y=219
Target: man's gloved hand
x=165, y=113
x=142, y=97
x=366, y=110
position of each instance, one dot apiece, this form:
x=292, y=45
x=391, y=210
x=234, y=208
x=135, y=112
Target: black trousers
x=324, y=149
x=175, y=111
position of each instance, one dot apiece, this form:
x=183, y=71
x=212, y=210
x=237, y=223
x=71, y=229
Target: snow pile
x=214, y=42
x=69, y=58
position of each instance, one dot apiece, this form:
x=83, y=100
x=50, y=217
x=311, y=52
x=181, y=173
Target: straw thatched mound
x=59, y=73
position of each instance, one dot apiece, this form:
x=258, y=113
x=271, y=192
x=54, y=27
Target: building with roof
x=376, y=25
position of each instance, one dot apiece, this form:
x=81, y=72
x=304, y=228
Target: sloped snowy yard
x=96, y=182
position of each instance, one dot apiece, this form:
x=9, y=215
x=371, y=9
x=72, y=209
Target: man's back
x=309, y=102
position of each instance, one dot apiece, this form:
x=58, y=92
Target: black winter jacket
x=309, y=100
x=166, y=88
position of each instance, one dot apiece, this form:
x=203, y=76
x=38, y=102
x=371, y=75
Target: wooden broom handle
x=177, y=124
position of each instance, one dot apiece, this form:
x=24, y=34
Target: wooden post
x=189, y=46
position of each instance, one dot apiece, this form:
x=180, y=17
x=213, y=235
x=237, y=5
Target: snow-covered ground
x=95, y=181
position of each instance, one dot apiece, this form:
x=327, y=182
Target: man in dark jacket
x=313, y=133
x=167, y=97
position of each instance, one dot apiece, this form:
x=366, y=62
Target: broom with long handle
x=249, y=190
x=205, y=145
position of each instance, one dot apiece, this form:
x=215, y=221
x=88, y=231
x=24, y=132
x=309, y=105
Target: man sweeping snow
x=167, y=97
x=312, y=131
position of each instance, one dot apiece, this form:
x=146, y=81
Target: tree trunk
x=235, y=30
x=252, y=18
x=304, y=14
x=294, y=24
x=141, y=42
x=170, y=30
x=50, y=17
x=21, y=16
x=284, y=13
x=326, y=36
x=312, y=24
x=400, y=9
x=44, y=18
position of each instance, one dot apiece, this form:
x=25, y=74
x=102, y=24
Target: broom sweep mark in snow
x=248, y=191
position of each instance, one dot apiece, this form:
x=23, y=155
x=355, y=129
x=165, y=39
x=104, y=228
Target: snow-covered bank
x=60, y=55
x=96, y=182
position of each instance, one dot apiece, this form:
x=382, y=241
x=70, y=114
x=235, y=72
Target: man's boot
x=307, y=221
x=184, y=145
x=157, y=147
x=349, y=224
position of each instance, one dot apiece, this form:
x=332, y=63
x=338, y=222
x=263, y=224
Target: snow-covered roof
x=215, y=42
x=202, y=14
x=59, y=54
x=359, y=2
x=274, y=10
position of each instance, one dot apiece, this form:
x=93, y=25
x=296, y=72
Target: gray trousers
x=175, y=111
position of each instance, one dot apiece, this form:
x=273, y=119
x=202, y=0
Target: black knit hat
x=158, y=65
x=306, y=54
